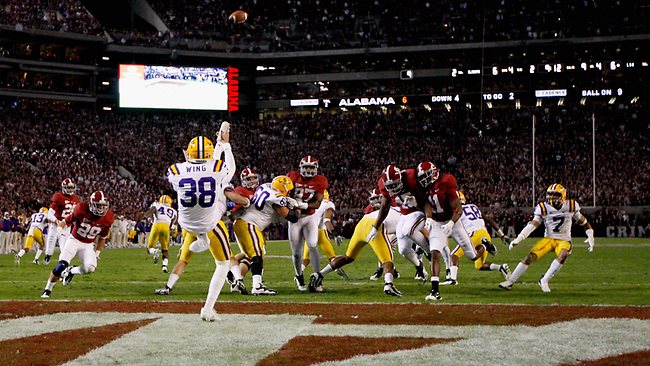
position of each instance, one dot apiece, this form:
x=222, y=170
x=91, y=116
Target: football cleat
x=342, y=273
x=389, y=289
x=505, y=270
x=46, y=294
x=433, y=296
x=230, y=278
x=506, y=285
x=156, y=256
x=36, y=262
x=209, y=315
x=420, y=273
x=163, y=291
x=67, y=275
x=262, y=290
x=165, y=269
x=46, y=260
x=378, y=273
x=449, y=282
x=489, y=246
x=239, y=286
x=17, y=260
x=315, y=280
x=300, y=282
x=543, y=285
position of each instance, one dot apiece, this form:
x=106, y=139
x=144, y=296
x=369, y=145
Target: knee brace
x=257, y=265
x=59, y=268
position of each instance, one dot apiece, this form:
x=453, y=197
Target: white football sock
x=172, y=280
x=453, y=272
x=388, y=277
x=257, y=281
x=21, y=253
x=328, y=268
x=236, y=272
x=152, y=251
x=521, y=269
x=302, y=267
x=552, y=270
x=216, y=283
x=165, y=261
x=38, y=254
x=315, y=258
x=50, y=285
x=494, y=267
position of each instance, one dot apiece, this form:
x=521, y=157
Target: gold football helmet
x=326, y=195
x=282, y=184
x=556, y=195
x=461, y=197
x=165, y=200
x=199, y=150
x=43, y=210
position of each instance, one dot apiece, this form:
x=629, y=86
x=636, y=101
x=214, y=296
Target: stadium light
x=107, y=108
x=105, y=83
x=612, y=100
x=560, y=101
x=517, y=104
x=539, y=103
x=583, y=101
x=105, y=58
x=634, y=100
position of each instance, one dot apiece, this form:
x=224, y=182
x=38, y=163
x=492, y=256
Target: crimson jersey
x=441, y=194
x=368, y=209
x=63, y=204
x=412, y=197
x=305, y=188
x=86, y=227
x=245, y=192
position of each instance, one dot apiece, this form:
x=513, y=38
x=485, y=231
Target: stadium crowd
x=127, y=153
x=316, y=24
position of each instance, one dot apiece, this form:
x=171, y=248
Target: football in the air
x=238, y=17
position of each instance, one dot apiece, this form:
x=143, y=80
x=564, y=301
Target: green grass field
x=617, y=273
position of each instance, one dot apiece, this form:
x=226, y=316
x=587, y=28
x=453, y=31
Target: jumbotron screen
x=170, y=87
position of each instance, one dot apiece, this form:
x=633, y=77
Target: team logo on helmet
x=375, y=198
x=461, y=197
x=308, y=166
x=392, y=177
x=427, y=173
x=98, y=203
x=68, y=187
x=249, y=178
x=282, y=184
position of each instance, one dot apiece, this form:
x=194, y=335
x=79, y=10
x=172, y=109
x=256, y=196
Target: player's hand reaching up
x=224, y=133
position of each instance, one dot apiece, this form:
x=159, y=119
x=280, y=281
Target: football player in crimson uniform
x=62, y=205
x=240, y=263
x=443, y=211
x=307, y=196
x=400, y=188
x=90, y=222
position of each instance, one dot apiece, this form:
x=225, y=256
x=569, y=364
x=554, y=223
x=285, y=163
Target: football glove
x=97, y=252
x=446, y=228
x=372, y=234
x=292, y=203
x=506, y=239
x=515, y=242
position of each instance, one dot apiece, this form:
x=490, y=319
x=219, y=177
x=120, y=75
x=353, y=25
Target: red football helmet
x=375, y=198
x=308, y=166
x=98, y=203
x=68, y=186
x=427, y=173
x=392, y=177
x=249, y=178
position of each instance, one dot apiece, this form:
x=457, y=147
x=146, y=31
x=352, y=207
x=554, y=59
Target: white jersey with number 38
x=557, y=222
x=261, y=212
x=200, y=188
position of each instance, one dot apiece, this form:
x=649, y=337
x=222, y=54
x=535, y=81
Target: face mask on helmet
x=68, y=187
x=308, y=170
x=427, y=173
x=98, y=204
x=554, y=199
x=250, y=181
x=375, y=199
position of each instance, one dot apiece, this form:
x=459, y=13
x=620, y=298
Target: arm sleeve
x=229, y=160
x=538, y=215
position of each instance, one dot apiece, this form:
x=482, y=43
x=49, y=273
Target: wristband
x=500, y=233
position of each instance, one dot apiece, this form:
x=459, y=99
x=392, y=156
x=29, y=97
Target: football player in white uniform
x=556, y=214
x=268, y=203
x=325, y=228
x=164, y=218
x=35, y=234
x=202, y=184
x=473, y=221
